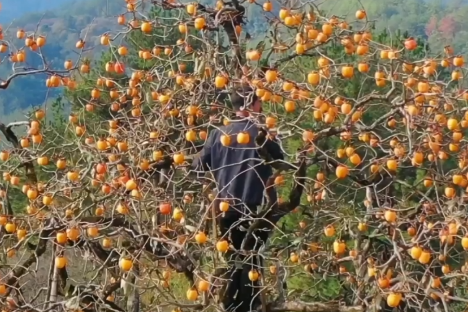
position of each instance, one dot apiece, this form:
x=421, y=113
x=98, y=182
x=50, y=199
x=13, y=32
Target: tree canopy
x=100, y=210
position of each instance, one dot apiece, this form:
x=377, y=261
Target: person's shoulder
x=214, y=134
x=237, y=125
x=223, y=129
x=244, y=123
x=252, y=123
x=233, y=126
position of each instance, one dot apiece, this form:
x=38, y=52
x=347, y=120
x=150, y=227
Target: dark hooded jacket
x=239, y=171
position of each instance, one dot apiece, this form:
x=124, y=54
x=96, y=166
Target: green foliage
x=315, y=287
x=17, y=200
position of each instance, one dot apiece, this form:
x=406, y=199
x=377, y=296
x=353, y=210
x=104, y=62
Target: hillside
x=16, y=9
x=63, y=27
x=440, y=22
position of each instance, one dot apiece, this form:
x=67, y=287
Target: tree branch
x=301, y=306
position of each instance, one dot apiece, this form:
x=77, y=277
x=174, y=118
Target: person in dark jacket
x=241, y=177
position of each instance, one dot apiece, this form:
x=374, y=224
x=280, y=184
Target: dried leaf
x=190, y=228
x=148, y=97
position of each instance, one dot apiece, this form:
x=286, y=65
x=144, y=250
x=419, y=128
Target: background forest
x=438, y=22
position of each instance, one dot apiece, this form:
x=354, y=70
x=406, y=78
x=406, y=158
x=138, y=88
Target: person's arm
x=269, y=145
x=203, y=161
x=274, y=149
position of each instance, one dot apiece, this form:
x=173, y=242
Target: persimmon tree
x=372, y=126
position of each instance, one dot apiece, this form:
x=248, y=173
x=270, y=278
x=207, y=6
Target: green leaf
x=260, y=46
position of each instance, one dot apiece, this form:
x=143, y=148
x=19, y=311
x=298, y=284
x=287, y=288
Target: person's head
x=244, y=99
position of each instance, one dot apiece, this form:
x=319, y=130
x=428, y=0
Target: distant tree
x=447, y=26
x=431, y=26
